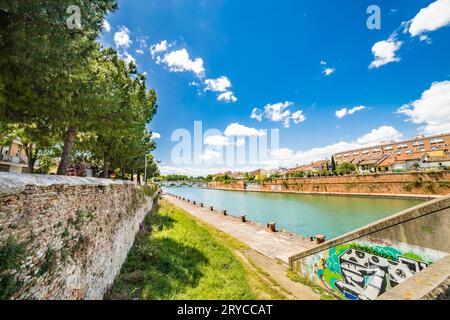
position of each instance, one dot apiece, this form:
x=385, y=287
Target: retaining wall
x=432, y=183
x=370, y=261
x=65, y=237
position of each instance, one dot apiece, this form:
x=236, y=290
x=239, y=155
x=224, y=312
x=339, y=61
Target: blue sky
x=312, y=69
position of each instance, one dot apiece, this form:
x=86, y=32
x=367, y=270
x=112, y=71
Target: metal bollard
x=212, y=208
x=224, y=212
x=320, y=238
x=243, y=218
x=272, y=227
x=202, y=205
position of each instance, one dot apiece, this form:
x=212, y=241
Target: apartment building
x=13, y=157
x=420, y=144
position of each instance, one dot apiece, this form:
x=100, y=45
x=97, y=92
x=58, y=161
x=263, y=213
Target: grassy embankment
x=177, y=257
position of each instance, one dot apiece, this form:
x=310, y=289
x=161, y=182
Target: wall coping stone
x=14, y=183
x=433, y=283
x=401, y=217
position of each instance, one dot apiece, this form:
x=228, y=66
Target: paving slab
x=275, y=245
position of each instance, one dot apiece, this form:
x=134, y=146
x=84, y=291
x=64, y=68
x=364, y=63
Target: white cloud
x=298, y=117
x=156, y=135
x=431, y=18
x=179, y=61
x=288, y=158
x=282, y=154
x=106, y=26
x=217, y=140
x=432, y=110
x=329, y=71
x=161, y=47
x=279, y=112
x=323, y=63
x=227, y=97
x=140, y=51
x=256, y=114
x=236, y=129
x=221, y=84
x=385, y=52
x=383, y=133
x=210, y=155
x=122, y=38
x=345, y=112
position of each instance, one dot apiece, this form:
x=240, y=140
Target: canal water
x=306, y=215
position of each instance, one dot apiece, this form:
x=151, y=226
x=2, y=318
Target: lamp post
x=145, y=170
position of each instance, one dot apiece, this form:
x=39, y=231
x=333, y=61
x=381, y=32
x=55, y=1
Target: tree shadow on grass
x=174, y=269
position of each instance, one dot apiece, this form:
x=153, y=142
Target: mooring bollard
x=212, y=208
x=224, y=212
x=320, y=238
x=202, y=205
x=193, y=202
x=272, y=226
x=243, y=218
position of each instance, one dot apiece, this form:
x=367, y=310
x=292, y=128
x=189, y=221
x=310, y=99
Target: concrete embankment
x=275, y=245
x=395, y=251
x=420, y=185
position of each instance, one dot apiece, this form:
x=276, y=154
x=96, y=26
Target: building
x=435, y=160
x=419, y=144
x=13, y=157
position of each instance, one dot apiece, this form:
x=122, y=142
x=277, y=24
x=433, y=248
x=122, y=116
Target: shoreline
x=278, y=245
x=425, y=197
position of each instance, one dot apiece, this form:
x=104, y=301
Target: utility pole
x=145, y=170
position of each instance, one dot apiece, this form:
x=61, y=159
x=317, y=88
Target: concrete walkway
x=279, y=245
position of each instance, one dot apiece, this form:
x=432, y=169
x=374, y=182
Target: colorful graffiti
x=363, y=272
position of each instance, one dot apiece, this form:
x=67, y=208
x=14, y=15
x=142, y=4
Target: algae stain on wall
x=364, y=270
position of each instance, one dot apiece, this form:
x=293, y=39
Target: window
x=19, y=151
x=389, y=148
x=434, y=141
x=5, y=151
x=418, y=143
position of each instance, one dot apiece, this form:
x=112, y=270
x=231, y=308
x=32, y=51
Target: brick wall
x=76, y=232
x=397, y=184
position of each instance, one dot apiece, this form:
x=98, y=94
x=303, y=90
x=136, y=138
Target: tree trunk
x=139, y=178
x=31, y=158
x=106, y=159
x=123, y=173
x=69, y=141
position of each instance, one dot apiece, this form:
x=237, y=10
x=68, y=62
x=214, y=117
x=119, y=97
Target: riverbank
x=411, y=185
x=177, y=256
x=425, y=197
x=275, y=245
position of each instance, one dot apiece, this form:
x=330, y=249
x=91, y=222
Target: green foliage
x=324, y=295
x=346, y=168
x=58, y=87
x=12, y=255
x=48, y=262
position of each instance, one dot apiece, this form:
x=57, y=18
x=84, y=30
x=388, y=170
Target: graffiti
x=363, y=272
x=366, y=276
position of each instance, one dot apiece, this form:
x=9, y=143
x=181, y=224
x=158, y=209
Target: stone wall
x=67, y=237
x=437, y=183
x=368, y=262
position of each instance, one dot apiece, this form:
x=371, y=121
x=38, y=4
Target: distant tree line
x=68, y=98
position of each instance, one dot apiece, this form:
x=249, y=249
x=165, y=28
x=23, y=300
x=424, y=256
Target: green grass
x=324, y=295
x=175, y=257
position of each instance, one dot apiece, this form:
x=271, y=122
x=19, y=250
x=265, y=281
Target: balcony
x=13, y=160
